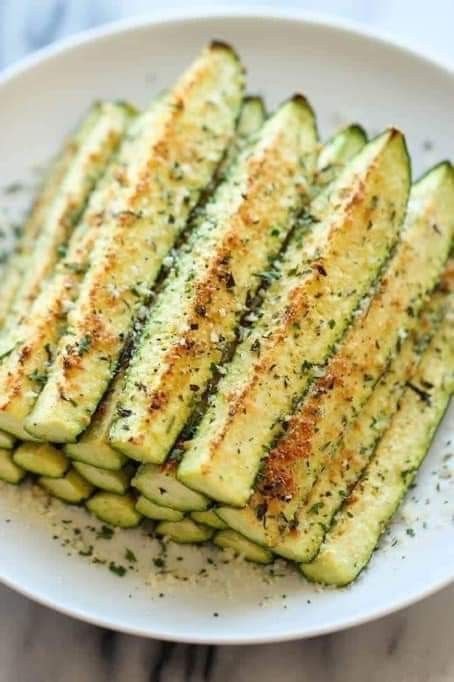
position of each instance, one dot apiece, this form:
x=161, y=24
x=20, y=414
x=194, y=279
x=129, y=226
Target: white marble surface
x=37, y=644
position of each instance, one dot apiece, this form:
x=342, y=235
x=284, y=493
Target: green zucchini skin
x=116, y=510
x=36, y=330
x=229, y=539
x=42, y=459
x=93, y=446
x=160, y=485
x=344, y=145
x=208, y=518
x=10, y=472
x=338, y=152
x=184, y=532
x=187, y=134
x=338, y=262
x=296, y=461
x=364, y=516
x=71, y=488
x=195, y=316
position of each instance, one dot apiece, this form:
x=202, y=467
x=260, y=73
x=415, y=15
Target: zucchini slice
x=229, y=539
x=195, y=316
x=10, y=472
x=293, y=465
x=337, y=153
x=71, y=488
x=42, y=459
x=116, y=510
x=305, y=312
x=24, y=371
x=185, y=532
x=186, y=137
x=153, y=511
x=93, y=446
x=47, y=193
x=364, y=516
x=99, y=140
x=159, y=484
x=208, y=518
x=111, y=481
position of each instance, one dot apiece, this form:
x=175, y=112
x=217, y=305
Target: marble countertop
x=39, y=645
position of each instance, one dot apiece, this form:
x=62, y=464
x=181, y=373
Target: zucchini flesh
x=93, y=446
x=104, y=131
x=71, y=488
x=293, y=465
x=187, y=135
x=153, y=511
x=24, y=371
x=229, y=539
x=208, y=518
x=10, y=472
x=7, y=440
x=184, y=532
x=46, y=195
x=345, y=145
x=304, y=314
x=358, y=526
x=315, y=516
x=196, y=314
x=116, y=510
x=159, y=484
x=42, y=459
x=111, y=481
x=337, y=154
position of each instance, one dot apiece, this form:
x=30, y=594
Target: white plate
x=348, y=76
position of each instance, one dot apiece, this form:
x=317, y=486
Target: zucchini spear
x=306, y=311
x=180, y=150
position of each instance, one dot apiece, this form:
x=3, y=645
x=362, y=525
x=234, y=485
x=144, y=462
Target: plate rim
x=196, y=13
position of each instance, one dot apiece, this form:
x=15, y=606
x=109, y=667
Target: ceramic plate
x=348, y=75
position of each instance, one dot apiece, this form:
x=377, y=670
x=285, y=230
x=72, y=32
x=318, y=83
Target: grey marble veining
x=39, y=645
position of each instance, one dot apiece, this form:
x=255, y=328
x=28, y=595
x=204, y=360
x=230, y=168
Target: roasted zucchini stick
x=99, y=138
x=42, y=459
x=185, y=532
x=306, y=311
x=10, y=472
x=47, y=193
x=195, y=317
x=187, y=136
x=229, y=539
x=366, y=513
x=337, y=152
x=155, y=512
x=93, y=446
x=117, y=510
x=24, y=371
x=71, y=488
x=111, y=481
x=293, y=465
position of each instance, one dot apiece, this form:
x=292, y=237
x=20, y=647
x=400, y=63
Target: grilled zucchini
x=11, y=277
x=71, y=488
x=336, y=154
x=93, y=445
x=24, y=371
x=294, y=463
x=153, y=511
x=188, y=133
x=42, y=459
x=10, y=472
x=117, y=510
x=343, y=146
x=305, y=313
x=111, y=481
x=208, y=518
x=358, y=526
x=185, y=532
x=195, y=317
x=229, y=539
x=159, y=484
x=99, y=139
